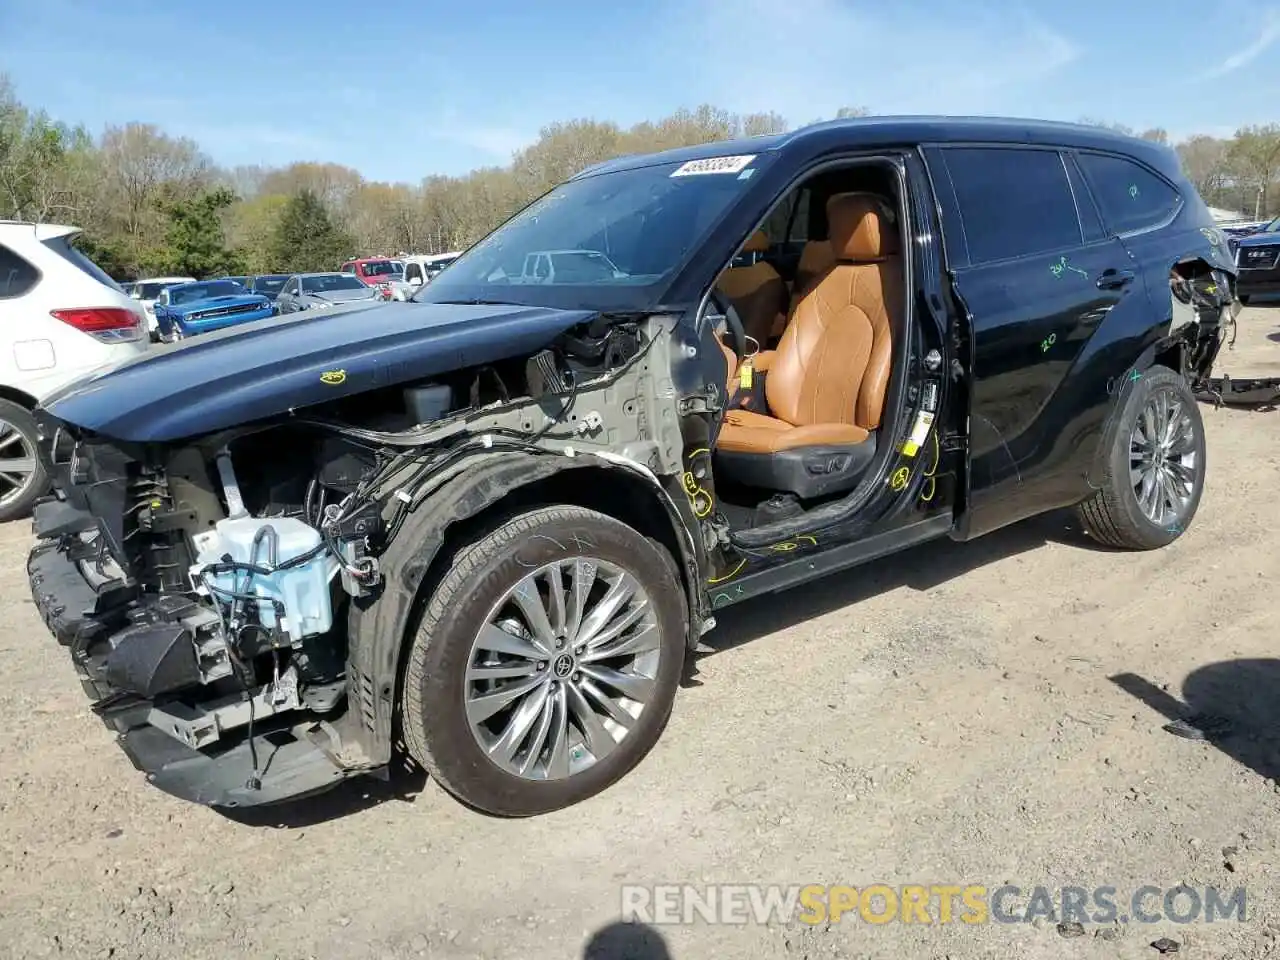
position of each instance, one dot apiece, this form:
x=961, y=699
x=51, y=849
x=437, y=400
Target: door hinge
x=708, y=402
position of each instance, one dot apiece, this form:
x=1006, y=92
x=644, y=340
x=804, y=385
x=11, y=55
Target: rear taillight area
x=105, y=324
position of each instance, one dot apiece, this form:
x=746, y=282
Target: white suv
x=61, y=317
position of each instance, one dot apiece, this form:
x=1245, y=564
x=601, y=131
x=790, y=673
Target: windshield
x=382, y=268
x=613, y=241
x=1273, y=226
x=149, y=291
x=328, y=282
x=269, y=286
x=191, y=292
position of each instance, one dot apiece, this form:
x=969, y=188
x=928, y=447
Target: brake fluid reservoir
x=303, y=590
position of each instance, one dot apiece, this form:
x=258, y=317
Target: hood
x=1259, y=240
x=241, y=374
x=214, y=303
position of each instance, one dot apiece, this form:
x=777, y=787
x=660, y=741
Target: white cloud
x=807, y=58
x=1268, y=34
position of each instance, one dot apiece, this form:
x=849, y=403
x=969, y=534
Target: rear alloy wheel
x=1156, y=466
x=22, y=476
x=547, y=662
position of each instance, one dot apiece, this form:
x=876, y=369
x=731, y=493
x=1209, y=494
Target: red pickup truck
x=373, y=271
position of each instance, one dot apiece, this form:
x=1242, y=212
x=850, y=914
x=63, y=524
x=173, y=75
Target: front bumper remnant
x=1263, y=393
x=293, y=759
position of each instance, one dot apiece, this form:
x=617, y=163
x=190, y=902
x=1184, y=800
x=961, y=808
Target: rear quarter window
x=1130, y=196
x=1013, y=202
x=16, y=275
x=63, y=247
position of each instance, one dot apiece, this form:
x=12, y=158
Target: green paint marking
x=1061, y=267
x=1135, y=376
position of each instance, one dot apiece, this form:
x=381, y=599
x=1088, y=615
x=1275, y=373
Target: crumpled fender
x=379, y=627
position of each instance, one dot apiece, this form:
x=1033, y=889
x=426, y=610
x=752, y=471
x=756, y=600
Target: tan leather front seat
x=825, y=384
x=815, y=260
x=758, y=293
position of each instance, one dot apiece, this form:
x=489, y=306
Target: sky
x=403, y=91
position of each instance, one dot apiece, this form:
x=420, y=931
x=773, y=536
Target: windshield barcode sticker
x=696, y=168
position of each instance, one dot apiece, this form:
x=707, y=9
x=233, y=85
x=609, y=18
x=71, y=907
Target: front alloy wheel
x=563, y=668
x=546, y=662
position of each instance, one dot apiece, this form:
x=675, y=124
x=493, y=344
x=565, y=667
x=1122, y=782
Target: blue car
x=186, y=309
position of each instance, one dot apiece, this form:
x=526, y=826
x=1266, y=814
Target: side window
x=1013, y=202
x=348, y=268
x=412, y=272
x=1090, y=223
x=1130, y=195
x=16, y=275
x=292, y=288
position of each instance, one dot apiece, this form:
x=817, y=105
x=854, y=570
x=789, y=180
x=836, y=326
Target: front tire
x=546, y=663
x=23, y=479
x=1155, y=466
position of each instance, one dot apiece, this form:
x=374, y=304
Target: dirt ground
x=942, y=717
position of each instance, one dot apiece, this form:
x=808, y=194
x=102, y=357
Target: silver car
x=321, y=291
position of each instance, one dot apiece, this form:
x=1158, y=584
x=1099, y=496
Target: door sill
x=814, y=565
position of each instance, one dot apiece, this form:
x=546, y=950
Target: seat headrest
x=758, y=242
x=861, y=227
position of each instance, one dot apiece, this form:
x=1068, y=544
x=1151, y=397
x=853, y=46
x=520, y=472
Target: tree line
x=151, y=203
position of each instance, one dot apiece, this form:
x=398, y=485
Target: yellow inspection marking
x=731, y=574
x=333, y=377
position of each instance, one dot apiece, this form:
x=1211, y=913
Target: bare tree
x=139, y=161
x=1256, y=153
x=1204, y=161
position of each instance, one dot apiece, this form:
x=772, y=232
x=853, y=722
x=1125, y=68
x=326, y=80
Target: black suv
x=1257, y=257
x=483, y=527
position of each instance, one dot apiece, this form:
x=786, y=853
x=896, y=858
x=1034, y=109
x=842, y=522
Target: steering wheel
x=737, y=332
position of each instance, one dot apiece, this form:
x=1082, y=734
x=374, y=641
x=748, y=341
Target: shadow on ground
x=919, y=568
x=626, y=941
x=1233, y=705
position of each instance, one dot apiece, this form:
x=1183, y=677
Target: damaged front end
x=222, y=597
x=204, y=635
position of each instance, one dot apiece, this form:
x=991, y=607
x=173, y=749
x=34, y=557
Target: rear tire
x=483, y=635
x=1145, y=502
x=26, y=480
